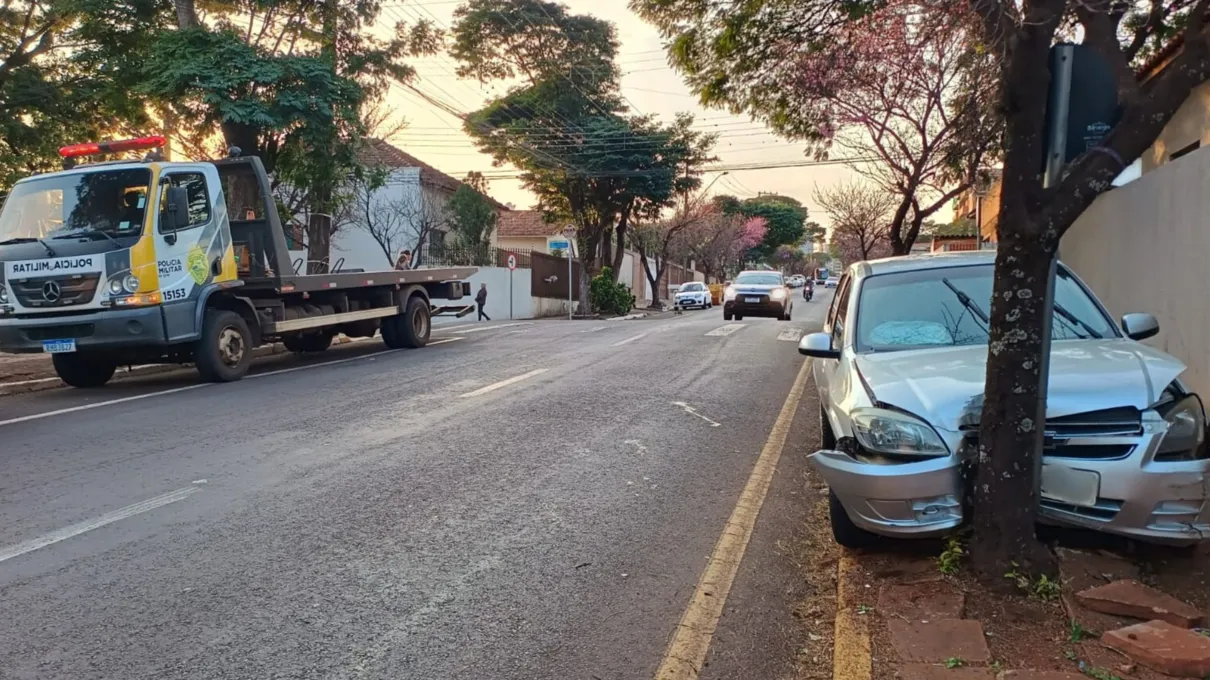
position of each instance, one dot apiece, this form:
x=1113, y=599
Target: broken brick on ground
x=1128, y=597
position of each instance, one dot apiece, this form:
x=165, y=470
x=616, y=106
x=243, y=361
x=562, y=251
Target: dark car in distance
x=757, y=293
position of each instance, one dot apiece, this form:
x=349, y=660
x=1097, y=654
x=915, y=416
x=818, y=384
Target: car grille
x=74, y=289
x=1104, y=511
x=1076, y=436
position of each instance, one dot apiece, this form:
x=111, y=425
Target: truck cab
x=133, y=262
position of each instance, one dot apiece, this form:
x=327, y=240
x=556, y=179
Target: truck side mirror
x=178, y=208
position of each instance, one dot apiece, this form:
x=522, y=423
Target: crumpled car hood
x=945, y=385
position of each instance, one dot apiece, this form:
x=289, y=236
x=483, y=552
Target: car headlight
x=777, y=293
x=1186, y=436
x=897, y=433
x=729, y=293
x=130, y=284
x=3, y=295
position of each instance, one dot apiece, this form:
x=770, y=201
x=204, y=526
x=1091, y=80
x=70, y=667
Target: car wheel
x=739, y=317
x=844, y=531
x=827, y=438
x=726, y=316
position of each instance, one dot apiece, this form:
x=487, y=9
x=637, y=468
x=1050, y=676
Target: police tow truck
x=137, y=262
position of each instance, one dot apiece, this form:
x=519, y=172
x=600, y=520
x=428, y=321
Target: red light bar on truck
x=93, y=148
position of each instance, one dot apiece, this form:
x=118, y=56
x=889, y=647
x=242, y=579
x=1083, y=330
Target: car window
x=928, y=308
x=831, y=317
x=842, y=309
x=691, y=287
x=195, y=188
x=758, y=279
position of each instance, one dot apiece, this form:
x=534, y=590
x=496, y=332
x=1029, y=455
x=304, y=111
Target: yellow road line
x=851, y=637
x=687, y=650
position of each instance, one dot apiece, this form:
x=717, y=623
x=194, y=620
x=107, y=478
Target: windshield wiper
x=92, y=232
x=29, y=239
x=1072, y=318
x=968, y=303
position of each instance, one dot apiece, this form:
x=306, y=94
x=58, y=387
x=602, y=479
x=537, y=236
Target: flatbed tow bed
x=155, y=267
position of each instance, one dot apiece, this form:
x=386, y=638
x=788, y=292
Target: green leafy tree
x=785, y=218
x=472, y=218
x=565, y=126
x=66, y=71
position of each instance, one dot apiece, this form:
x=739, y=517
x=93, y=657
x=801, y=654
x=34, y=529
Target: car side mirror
x=1140, y=326
x=178, y=208
x=818, y=345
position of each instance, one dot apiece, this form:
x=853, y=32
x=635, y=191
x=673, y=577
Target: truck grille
x=56, y=291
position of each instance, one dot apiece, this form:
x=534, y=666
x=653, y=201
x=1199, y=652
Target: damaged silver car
x=900, y=369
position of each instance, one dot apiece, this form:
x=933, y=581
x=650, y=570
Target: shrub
x=608, y=297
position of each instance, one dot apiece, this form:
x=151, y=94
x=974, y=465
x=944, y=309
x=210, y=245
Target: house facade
x=408, y=212
x=526, y=230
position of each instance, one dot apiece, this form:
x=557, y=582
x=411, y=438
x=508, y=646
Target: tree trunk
x=653, y=279
x=607, y=251
x=619, y=253
x=1010, y=436
x=186, y=15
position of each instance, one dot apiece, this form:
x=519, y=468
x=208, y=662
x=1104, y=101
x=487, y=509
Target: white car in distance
x=693, y=294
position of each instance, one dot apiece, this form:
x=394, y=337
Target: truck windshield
x=99, y=204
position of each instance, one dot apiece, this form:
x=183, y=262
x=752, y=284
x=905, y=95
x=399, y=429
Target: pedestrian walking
x=481, y=300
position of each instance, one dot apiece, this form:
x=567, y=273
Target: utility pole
x=319, y=221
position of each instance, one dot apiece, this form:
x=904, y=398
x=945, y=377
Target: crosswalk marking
x=727, y=329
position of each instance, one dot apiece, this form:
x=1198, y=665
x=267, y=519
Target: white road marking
x=790, y=334
x=594, y=329
x=503, y=383
x=477, y=329
x=692, y=411
x=726, y=330
x=619, y=343
x=638, y=445
x=174, y=390
x=88, y=525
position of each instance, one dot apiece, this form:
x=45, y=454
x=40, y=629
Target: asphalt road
x=517, y=500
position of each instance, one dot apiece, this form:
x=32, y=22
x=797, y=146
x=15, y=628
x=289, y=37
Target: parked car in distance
x=757, y=293
x=900, y=368
x=796, y=281
x=831, y=282
x=693, y=294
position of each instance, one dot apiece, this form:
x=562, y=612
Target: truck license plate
x=755, y=299
x=58, y=346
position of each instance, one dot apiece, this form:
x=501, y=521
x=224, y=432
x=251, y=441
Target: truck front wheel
x=83, y=370
x=410, y=329
x=224, y=352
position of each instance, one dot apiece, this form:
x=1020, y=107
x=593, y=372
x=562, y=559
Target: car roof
x=905, y=263
x=757, y=271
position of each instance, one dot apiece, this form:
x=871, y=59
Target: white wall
x=1143, y=247
x=497, y=280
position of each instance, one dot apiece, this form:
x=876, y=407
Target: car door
x=825, y=370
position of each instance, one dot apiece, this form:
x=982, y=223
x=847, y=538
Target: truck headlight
x=3, y=295
x=896, y=433
x=130, y=284
x=115, y=287
x=1186, y=436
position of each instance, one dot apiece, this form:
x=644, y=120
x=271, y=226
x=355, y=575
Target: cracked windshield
x=632, y=340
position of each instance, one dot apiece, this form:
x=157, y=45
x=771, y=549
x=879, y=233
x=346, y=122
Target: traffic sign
x=560, y=245
x=569, y=230
x=512, y=262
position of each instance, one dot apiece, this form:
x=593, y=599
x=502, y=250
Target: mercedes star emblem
x=51, y=291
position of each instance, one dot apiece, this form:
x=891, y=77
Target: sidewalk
x=920, y=624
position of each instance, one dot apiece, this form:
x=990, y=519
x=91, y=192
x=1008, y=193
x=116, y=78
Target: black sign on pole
x=1081, y=109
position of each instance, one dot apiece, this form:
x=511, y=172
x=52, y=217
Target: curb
x=851, y=658
x=627, y=317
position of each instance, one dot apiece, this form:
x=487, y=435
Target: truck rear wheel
x=83, y=370
x=411, y=329
x=224, y=352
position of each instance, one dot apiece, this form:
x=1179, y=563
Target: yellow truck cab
x=135, y=262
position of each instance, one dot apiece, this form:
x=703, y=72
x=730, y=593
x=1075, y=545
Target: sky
x=651, y=86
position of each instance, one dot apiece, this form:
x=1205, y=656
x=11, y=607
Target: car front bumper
x=105, y=329
x=764, y=308
x=695, y=301
x=1135, y=496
